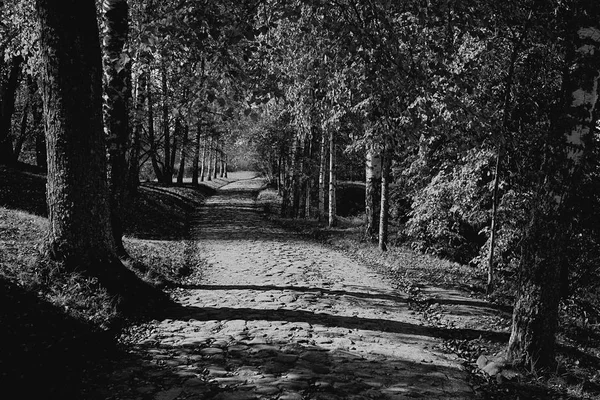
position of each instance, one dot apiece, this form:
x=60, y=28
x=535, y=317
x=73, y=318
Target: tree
x=118, y=94
x=80, y=232
x=535, y=316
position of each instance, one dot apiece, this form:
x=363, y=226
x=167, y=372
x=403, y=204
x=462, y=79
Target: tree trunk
x=134, y=154
x=216, y=162
x=386, y=164
x=209, y=160
x=22, y=127
x=79, y=233
x=151, y=137
x=118, y=93
x=40, y=138
x=225, y=166
x=322, y=175
x=181, y=171
x=332, y=181
x=535, y=316
x=195, y=166
x=372, y=191
x=495, y=200
x=167, y=172
x=7, y=108
x=204, y=151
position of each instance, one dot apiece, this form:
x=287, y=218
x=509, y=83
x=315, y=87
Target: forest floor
x=264, y=308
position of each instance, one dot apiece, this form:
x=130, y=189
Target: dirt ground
x=273, y=315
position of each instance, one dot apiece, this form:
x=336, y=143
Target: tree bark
x=535, y=316
x=332, y=181
x=151, y=136
x=118, y=94
x=322, y=175
x=204, y=149
x=386, y=165
x=209, y=159
x=196, y=161
x=372, y=191
x=181, y=171
x=216, y=161
x=167, y=175
x=79, y=233
x=23, y=127
x=77, y=194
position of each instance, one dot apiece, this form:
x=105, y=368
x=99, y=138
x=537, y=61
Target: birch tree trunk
x=322, y=175
x=386, y=164
x=203, y=169
x=209, y=159
x=195, y=163
x=151, y=137
x=332, y=181
x=535, y=315
x=372, y=191
x=216, y=161
x=134, y=152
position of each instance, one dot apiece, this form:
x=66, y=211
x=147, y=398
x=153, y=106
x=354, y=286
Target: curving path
x=278, y=317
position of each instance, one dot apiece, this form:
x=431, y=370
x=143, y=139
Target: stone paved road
x=279, y=317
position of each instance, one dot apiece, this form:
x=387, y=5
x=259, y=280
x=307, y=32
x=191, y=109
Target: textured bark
x=204, y=151
x=151, y=136
x=209, y=159
x=322, y=175
x=118, y=94
x=181, y=171
x=372, y=191
x=332, y=182
x=196, y=160
x=79, y=217
x=167, y=174
x=491, y=279
x=386, y=165
x=7, y=108
x=79, y=232
x=216, y=161
x=535, y=316
x=22, y=127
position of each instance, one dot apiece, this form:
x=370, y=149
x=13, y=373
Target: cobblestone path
x=278, y=317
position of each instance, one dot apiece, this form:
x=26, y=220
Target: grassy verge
x=59, y=327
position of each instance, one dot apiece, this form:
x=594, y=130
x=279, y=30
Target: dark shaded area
x=23, y=188
x=303, y=289
x=43, y=352
x=382, y=325
x=163, y=212
x=350, y=199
